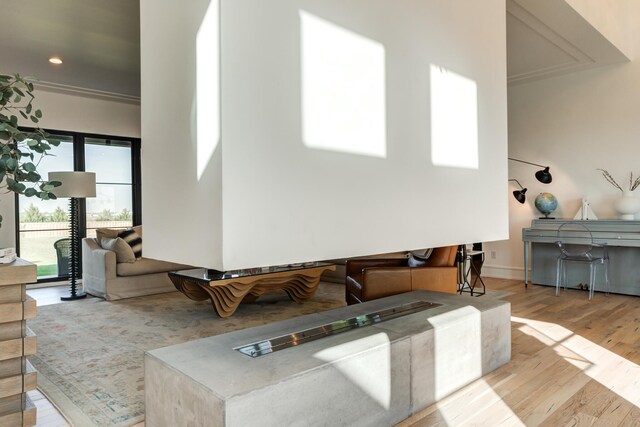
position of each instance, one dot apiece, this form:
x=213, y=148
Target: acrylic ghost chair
x=582, y=252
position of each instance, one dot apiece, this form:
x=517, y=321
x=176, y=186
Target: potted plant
x=22, y=151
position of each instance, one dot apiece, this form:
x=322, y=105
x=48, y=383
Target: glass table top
x=210, y=275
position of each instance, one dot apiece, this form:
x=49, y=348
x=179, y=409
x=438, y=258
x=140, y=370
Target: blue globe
x=546, y=203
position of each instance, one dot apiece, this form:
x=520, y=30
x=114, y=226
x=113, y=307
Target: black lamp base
x=74, y=268
x=78, y=295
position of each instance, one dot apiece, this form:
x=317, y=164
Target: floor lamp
x=75, y=185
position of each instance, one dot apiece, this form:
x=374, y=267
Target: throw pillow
x=419, y=258
x=133, y=239
x=413, y=261
x=123, y=251
x=106, y=232
x=422, y=254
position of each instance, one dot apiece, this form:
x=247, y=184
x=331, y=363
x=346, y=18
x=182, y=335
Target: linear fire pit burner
x=294, y=339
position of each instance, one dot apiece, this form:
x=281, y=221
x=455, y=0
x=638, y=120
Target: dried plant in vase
x=633, y=184
x=627, y=205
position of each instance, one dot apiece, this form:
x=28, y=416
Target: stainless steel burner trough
x=294, y=339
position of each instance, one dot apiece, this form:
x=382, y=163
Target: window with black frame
x=113, y=205
x=43, y=224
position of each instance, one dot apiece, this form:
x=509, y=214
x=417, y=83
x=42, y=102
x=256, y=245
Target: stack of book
x=7, y=255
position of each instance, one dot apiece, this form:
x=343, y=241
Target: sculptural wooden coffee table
x=227, y=289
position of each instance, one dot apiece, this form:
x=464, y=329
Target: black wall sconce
x=542, y=175
x=519, y=194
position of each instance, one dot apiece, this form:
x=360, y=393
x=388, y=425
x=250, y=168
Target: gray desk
x=622, y=238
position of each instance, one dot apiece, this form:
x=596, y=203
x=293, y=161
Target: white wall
x=72, y=113
x=268, y=196
x=182, y=196
x=86, y=114
x=615, y=19
x=575, y=124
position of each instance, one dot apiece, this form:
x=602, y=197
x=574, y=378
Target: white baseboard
x=503, y=272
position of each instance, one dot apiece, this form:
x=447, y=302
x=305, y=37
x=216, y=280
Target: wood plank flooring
x=574, y=363
x=47, y=415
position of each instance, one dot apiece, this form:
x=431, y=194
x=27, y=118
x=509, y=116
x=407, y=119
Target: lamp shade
x=519, y=195
x=74, y=184
x=544, y=176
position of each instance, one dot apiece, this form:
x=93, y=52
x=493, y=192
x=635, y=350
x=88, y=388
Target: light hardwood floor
x=574, y=362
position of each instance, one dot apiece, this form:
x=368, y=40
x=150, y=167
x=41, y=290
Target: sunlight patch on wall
x=370, y=370
x=452, y=374
x=207, y=87
x=343, y=89
x=454, y=119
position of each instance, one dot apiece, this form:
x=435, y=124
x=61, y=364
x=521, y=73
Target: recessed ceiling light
x=55, y=60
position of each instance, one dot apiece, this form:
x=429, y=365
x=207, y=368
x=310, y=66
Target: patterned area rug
x=90, y=352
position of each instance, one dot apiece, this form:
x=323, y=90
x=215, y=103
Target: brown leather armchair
x=369, y=279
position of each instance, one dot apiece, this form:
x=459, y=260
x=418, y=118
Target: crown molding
x=560, y=40
x=578, y=59
x=86, y=92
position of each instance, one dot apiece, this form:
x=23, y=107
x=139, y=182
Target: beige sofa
x=104, y=278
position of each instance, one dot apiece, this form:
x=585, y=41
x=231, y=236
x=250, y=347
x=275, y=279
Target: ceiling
x=99, y=41
x=548, y=38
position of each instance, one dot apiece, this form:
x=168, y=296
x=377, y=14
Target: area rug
x=90, y=352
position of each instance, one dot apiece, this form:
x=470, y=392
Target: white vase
x=627, y=205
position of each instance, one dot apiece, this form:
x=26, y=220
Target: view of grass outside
x=40, y=230
x=43, y=222
x=38, y=246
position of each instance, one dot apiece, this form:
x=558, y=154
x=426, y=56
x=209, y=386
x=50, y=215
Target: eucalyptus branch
x=18, y=148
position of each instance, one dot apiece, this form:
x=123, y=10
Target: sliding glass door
x=42, y=223
x=43, y=229
x=113, y=205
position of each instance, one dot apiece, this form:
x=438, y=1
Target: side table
x=17, y=376
x=466, y=267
